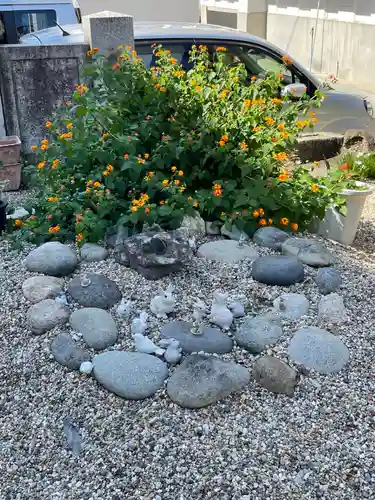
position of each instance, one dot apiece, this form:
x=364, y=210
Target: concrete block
x=106, y=30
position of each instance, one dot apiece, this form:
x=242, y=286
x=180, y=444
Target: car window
x=30, y=21
x=178, y=51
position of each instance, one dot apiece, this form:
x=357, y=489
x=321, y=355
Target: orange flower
x=256, y=213
x=41, y=165
x=253, y=78
x=277, y=101
x=162, y=89
x=262, y=222
x=221, y=143
x=270, y=121
x=54, y=229
x=141, y=161
x=34, y=148
x=173, y=60
x=315, y=188
x=69, y=126
x=90, y=53
x=294, y=226
x=302, y=124
x=147, y=210
x=126, y=156
x=165, y=183
x=221, y=49
x=190, y=198
x=281, y=126
x=17, y=223
x=162, y=202
x=225, y=138
x=198, y=88
x=284, y=135
x=97, y=184
x=247, y=103
x=270, y=222
x=257, y=129
x=109, y=168
x=179, y=74
x=224, y=93
x=195, y=204
x=261, y=211
x=181, y=173
x=287, y=60
x=243, y=145
x=146, y=156
x=344, y=167
x=44, y=147
x=81, y=89
x=284, y=221
x=134, y=208
x=49, y=124
x=177, y=182
x=116, y=66
x=52, y=198
x=280, y=156
x=55, y=163
x=106, y=173
x=106, y=134
x=283, y=177
x=79, y=237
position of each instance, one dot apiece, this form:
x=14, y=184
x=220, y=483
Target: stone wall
x=34, y=82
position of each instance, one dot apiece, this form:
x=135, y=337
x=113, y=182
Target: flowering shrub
x=361, y=164
x=138, y=145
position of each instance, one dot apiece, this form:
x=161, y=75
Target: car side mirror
x=294, y=90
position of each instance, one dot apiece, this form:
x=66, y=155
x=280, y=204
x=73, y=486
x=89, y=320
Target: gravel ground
x=251, y=446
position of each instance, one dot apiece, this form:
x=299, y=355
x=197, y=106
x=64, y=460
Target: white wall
x=146, y=10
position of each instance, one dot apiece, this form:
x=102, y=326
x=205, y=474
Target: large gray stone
x=39, y=288
x=309, y=251
x=155, y=253
x=270, y=237
x=226, y=251
x=46, y=315
x=291, y=305
x=131, y=375
x=195, y=226
x=212, y=340
x=331, y=309
x=107, y=30
x=328, y=280
x=202, y=380
x=91, y=252
x=256, y=333
x=101, y=292
x=52, y=258
x=67, y=353
x=98, y=328
x=278, y=270
x=275, y=375
x=319, y=350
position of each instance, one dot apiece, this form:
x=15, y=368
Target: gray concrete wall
x=34, y=82
x=346, y=49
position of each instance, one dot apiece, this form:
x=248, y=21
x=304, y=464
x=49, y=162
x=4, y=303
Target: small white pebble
x=86, y=367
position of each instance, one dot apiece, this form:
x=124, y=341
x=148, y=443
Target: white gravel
x=251, y=446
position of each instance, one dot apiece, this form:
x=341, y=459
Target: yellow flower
x=174, y=169
x=261, y=211
x=88, y=190
x=34, y=148
x=106, y=173
x=302, y=124
x=141, y=161
x=256, y=213
x=69, y=126
x=190, y=198
x=270, y=222
x=41, y=165
x=270, y=121
x=243, y=145
x=146, y=156
x=281, y=126
x=49, y=124
x=17, y=223
x=316, y=164
x=181, y=173
x=277, y=101
x=109, y=168
x=222, y=214
x=195, y=204
x=134, y=209
x=247, y=103
x=52, y=198
x=284, y=221
x=97, y=184
x=294, y=226
x=165, y=183
x=221, y=143
x=280, y=156
x=284, y=135
x=315, y=188
x=54, y=229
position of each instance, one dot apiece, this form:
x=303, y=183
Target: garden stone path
x=101, y=292
x=67, y=353
x=52, y=258
x=328, y=280
x=91, y=252
x=226, y=251
x=270, y=237
x=131, y=375
x=319, y=350
x=277, y=270
x=212, y=340
x=275, y=375
x=291, y=305
x=39, y=288
x=254, y=334
x=46, y=315
x=308, y=251
x=97, y=327
x=203, y=380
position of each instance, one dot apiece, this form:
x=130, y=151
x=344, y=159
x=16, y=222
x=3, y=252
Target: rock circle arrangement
x=186, y=359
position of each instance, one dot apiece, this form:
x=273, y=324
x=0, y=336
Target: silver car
x=340, y=111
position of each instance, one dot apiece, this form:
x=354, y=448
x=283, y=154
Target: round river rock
x=226, y=251
x=39, y=288
x=46, y=315
x=67, y=353
x=211, y=341
x=277, y=270
x=91, y=252
x=131, y=375
x=52, y=258
x=309, y=251
x=270, y=237
x=101, y=292
x=256, y=333
x=98, y=328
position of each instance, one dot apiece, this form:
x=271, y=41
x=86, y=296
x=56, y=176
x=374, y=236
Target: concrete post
x=107, y=30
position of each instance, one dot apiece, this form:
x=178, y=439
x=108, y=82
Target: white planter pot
x=341, y=228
